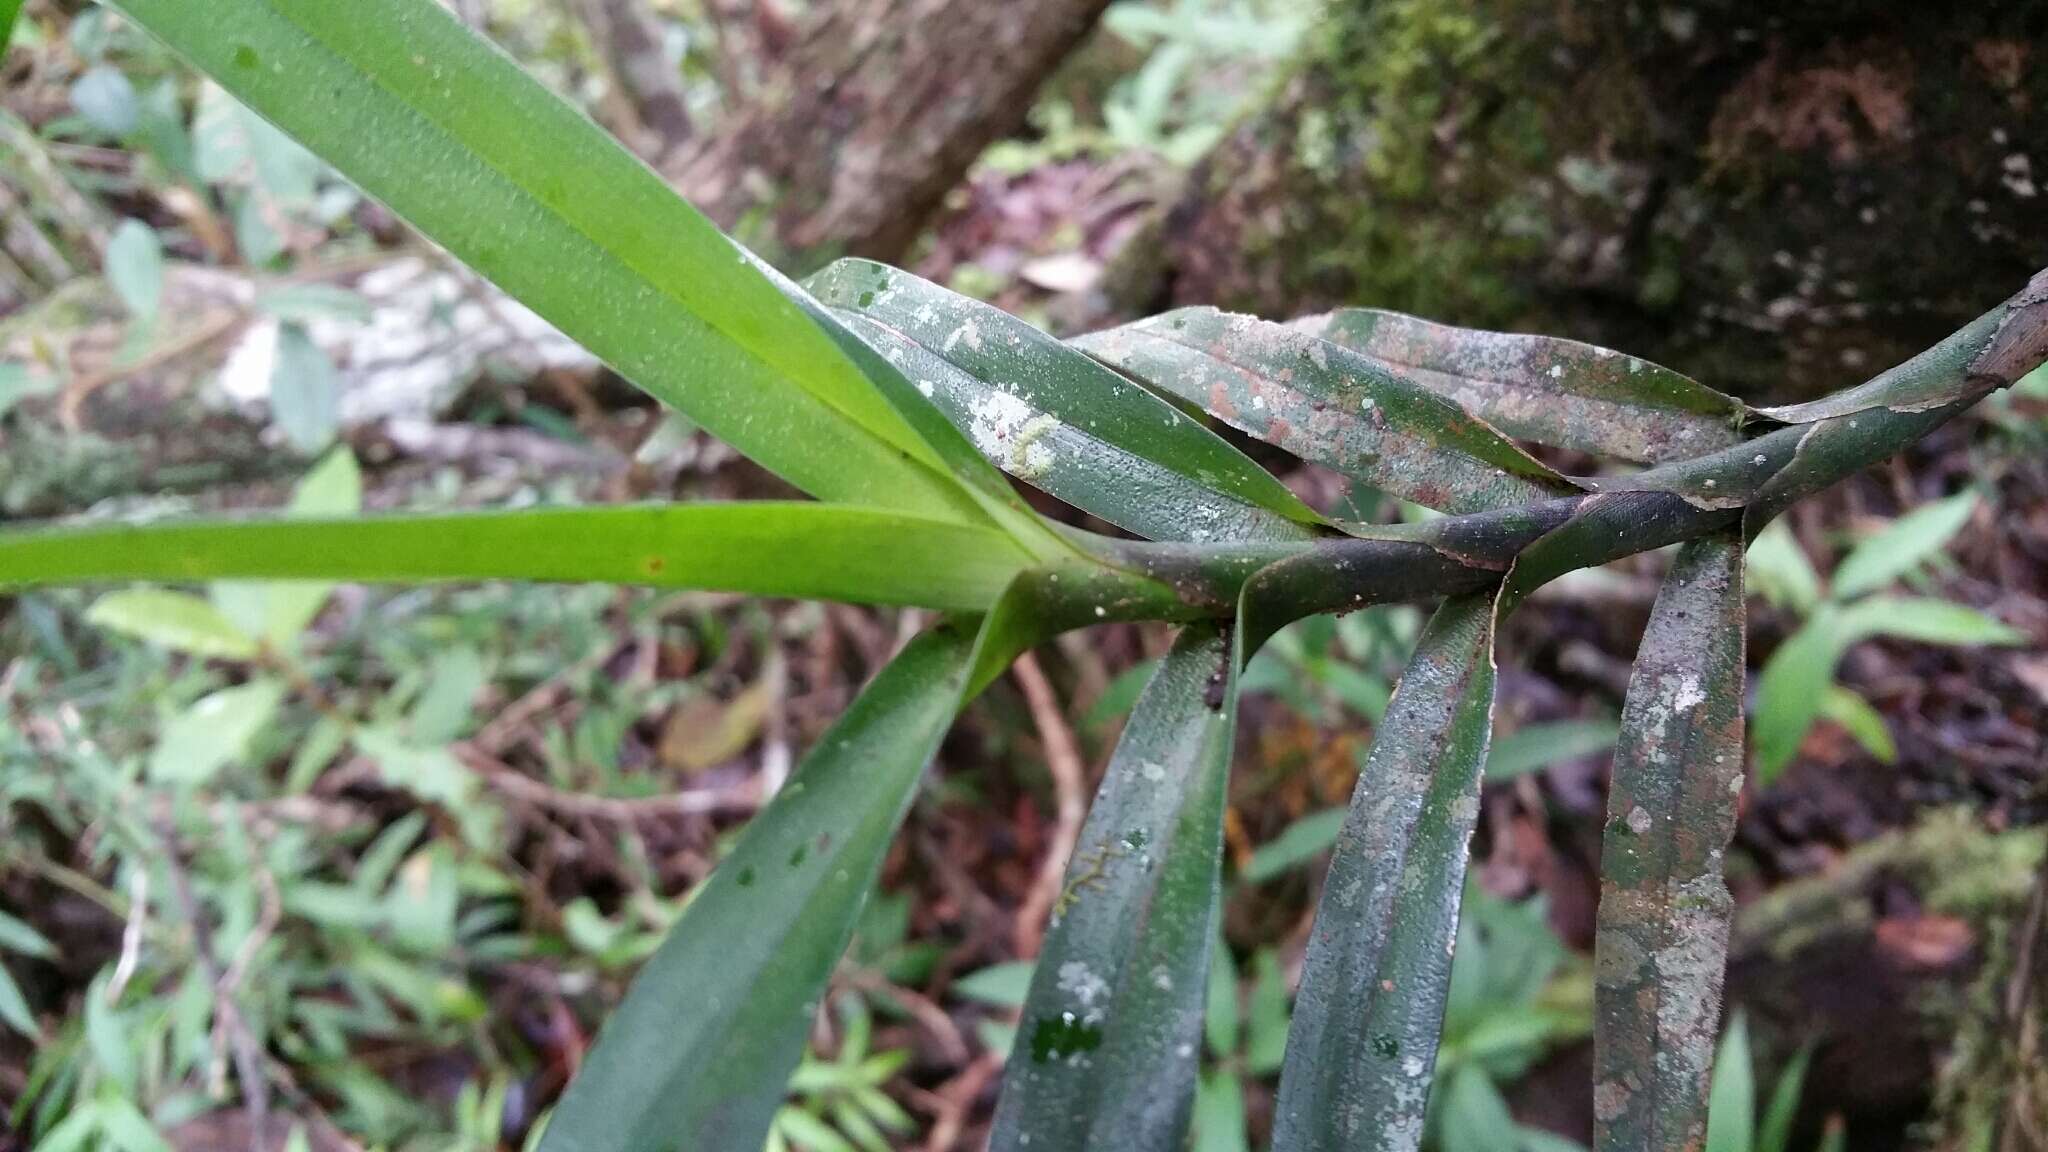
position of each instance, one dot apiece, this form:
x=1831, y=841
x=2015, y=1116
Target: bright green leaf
x=1539, y=746
x=17, y=937
x=1475, y=1117
x=174, y=620
x=1731, y=1111
x=1297, y=844
x=1001, y=985
x=14, y=1009
x=1906, y=544
x=821, y=551
x=214, y=732
x=1861, y=721
x=1219, y=1114
x=1779, y=569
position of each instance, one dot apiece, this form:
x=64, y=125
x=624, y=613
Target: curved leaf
x=1362, y=1050
x=1664, y=909
x=1107, y=1054
x=1057, y=419
x=1903, y=545
x=1541, y=388
x=406, y=102
x=697, y=1055
x=1328, y=404
x=819, y=551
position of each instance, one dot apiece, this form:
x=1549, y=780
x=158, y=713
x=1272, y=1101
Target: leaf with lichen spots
x=1330, y=405
x=1021, y=395
x=1362, y=1049
x=1540, y=388
x=1107, y=1054
x=1664, y=908
x=1068, y=460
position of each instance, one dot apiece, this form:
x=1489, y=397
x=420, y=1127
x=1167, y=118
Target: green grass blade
x=1664, y=908
x=1330, y=405
x=1362, y=1049
x=816, y=551
x=1107, y=1052
x=697, y=1055
x=1541, y=388
x=1058, y=419
x=405, y=101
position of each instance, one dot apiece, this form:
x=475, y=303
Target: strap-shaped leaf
x=1328, y=404
x=1362, y=1050
x=698, y=1054
x=1107, y=1054
x=1057, y=419
x=1541, y=388
x=1664, y=909
x=817, y=551
x=402, y=99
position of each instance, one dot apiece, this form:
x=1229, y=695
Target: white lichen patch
x=1687, y=693
x=968, y=334
x=1639, y=820
x=1152, y=771
x=1008, y=432
x=1081, y=982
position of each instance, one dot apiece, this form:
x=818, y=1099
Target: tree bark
x=1780, y=201
x=874, y=113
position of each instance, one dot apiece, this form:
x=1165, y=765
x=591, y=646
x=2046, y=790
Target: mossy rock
x=1780, y=202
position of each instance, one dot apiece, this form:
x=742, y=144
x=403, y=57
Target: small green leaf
x=1861, y=721
x=1909, y=541
x=174, y=620
x=1001, y=985
x=214, y=732
x=1664, y=908
x=697, y=1054
x=1362, y=1050
x=1779, y=569
x=333, y=488
x=1731, y=1111
x=14, y=1009
x=16, y=936
x=1774, y=1133
x=1114, y=1017
x=820, y=551
x=454, y=677
x=1539, y=746
x=1222, y=1021
x=135, y=268
x=1219, y=1114
x=106, y=98
x=1330, y=405
x=1541, y=388
x=1297, y=844
x=305, y=391
x=1927, y=621
x=18, y=382
x=1475, y=1117
x=1266, y=1047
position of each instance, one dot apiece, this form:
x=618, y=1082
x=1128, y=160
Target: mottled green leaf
x=1058, y=420
x=1541, y=388
x=1664, y=907
x=1362, y=1050
x=408, y=103
x=1330, y=405
x=1904, y=545
x=174, y=620
x=822, y=551
x=1107, y=1054
x=697, y=1055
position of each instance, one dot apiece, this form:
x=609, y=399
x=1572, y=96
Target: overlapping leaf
x=1330, y=405
x=1664, y=908
x=1106, y=1058
x=1057, y=419
x=1362, y=1051
x=1541, y=388
x=697, y=1055
x=821, y=551
x=402, y=99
